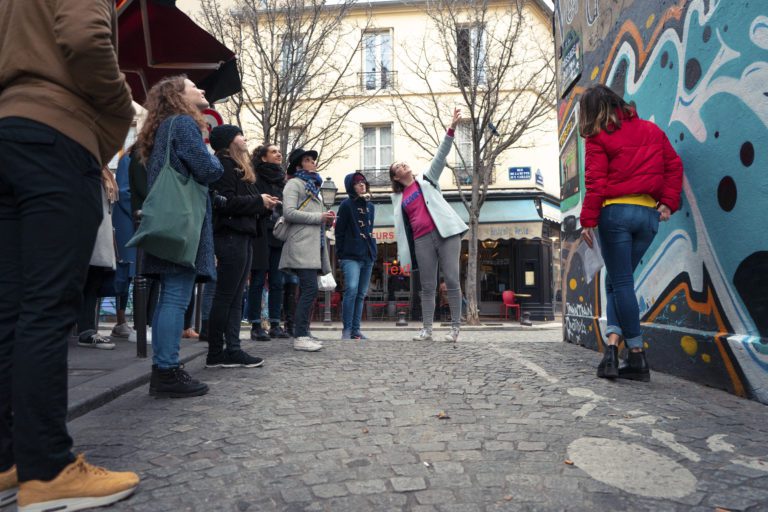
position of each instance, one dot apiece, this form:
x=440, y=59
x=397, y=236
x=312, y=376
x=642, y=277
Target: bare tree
x=491, y=65
x=296, y=61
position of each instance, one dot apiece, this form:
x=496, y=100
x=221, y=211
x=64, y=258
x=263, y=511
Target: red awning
x=156, y=39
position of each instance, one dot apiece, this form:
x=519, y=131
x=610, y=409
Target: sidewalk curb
x=93, y=394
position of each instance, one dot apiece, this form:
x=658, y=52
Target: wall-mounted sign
x=539, y=178
x=519, y=173
x=571, y=62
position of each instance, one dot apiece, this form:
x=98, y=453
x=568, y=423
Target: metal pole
x=140, y=299
x=327, y=312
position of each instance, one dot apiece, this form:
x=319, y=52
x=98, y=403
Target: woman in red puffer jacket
x=633, y=178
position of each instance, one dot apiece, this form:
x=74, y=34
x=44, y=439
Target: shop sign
x=384, y=235
x=519, y=173
x=508, y=231
x=570, y=62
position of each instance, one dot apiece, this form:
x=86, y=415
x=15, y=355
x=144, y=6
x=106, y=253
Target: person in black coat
x=270, y=179
x=235, y=225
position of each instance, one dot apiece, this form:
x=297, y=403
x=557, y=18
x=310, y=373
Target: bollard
x=525, y=318
x=401, y=321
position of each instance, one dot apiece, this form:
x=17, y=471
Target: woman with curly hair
x=175, y=119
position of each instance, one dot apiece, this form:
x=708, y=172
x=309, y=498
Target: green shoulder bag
x=172, y=215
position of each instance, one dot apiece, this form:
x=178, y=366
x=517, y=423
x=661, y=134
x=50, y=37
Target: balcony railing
x=377, y=80
x=377, y=177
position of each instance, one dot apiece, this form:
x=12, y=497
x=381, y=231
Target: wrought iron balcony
x=377, y=177
x=377, y=80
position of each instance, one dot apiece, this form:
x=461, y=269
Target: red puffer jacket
x=635, y=159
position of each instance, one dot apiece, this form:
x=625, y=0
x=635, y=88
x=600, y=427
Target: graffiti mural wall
x=698, y=69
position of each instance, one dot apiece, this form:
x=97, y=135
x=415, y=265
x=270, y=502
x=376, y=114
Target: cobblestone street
x=524, y=425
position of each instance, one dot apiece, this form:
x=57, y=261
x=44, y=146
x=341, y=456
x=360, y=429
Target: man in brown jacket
x=65, y=109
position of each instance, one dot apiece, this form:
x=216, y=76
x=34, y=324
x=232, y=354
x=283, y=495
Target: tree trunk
x=473, y=306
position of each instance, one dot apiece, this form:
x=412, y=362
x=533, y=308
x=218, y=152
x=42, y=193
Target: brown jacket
x=58, y=66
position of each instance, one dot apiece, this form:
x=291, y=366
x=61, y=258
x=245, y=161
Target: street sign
x=519, y=173
x=212, y=119
x=539, y=178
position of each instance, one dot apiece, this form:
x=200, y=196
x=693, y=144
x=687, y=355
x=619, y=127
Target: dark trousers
x=308, y=294
x=275, y=296
x=50, y=210
x=233, y=253
x=86, y=319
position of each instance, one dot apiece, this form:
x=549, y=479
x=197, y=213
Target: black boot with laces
x=174, y=383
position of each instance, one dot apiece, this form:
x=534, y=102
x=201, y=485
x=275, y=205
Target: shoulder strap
x=168, y=145
x=302, y=205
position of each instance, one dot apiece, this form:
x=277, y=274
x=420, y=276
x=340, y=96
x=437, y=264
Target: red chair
x=508, y=299
x=335, y=304
x=378, y=305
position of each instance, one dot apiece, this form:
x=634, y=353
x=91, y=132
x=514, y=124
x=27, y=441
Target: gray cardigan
x=301, y=249
x=446, y=219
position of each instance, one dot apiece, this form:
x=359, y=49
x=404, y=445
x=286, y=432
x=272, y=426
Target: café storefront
x=515, y=252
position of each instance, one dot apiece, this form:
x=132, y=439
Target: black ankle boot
x=258, y=333
x=174, y=383
x=635, y=368
x=609, y=366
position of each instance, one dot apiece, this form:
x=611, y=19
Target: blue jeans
x=626, y=231
x=175, y=291
x=357, y=277
x=275, y=295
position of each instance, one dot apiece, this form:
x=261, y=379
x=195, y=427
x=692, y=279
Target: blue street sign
x=519, y=173
x=539, y=178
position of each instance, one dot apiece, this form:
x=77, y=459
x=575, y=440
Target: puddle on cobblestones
x=631, y=468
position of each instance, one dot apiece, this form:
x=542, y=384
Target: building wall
x=698, y=69
x=410, y=27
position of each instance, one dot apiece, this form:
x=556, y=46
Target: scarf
x=271, y=173
x=312, y=181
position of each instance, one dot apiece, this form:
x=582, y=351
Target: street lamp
x=328, y=193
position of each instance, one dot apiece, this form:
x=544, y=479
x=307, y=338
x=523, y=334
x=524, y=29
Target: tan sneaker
x=9, y=486
x=79, y=486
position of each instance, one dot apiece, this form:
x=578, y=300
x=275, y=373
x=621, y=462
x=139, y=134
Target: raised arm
x=438, y=162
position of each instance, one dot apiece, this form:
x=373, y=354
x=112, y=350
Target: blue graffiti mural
x=701, y=73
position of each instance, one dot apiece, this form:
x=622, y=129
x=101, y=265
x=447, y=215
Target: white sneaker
x=123, y=331
x=306, y=344
x=133, y=338
x=424, y=335
x=453, y=335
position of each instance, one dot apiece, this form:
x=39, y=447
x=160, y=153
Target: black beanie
x=222, y=136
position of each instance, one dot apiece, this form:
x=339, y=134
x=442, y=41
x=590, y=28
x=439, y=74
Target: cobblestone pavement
x=355, y=428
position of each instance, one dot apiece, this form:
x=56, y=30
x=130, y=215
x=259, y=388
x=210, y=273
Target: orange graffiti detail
x=709, y=307
x=629, y=28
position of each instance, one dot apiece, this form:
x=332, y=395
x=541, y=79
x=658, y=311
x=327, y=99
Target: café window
x=529, y=273
x=494, y=265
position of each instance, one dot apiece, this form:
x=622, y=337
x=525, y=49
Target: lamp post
x=328, y=192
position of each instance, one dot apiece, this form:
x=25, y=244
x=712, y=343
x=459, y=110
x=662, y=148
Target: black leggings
x=233, y=252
